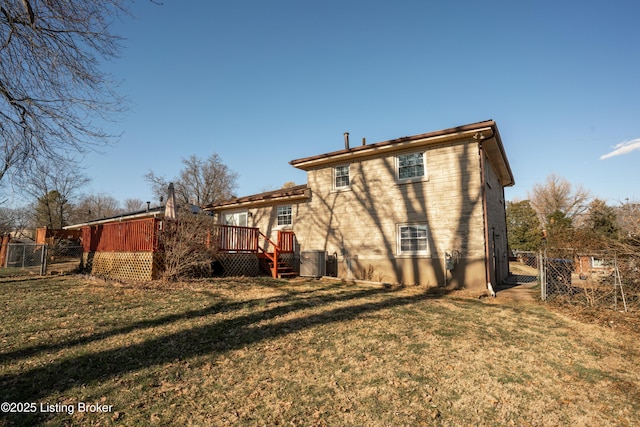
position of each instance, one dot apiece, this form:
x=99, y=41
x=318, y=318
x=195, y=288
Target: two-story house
x=424, y=209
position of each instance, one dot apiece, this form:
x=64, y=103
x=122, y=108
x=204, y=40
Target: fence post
x=43, y=261
x=543, y=279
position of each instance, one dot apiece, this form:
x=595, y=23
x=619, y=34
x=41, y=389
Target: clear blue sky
x=264, y=82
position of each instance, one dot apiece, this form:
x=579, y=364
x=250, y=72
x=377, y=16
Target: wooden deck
x=144, y=235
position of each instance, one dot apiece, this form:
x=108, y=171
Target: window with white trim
x=284, y=215
x=412, y=239
x=341, y=176
x=410, y=166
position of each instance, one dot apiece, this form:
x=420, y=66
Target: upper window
x=341, y=176
x=411, y=166
x=412, y=239
x=284, y=215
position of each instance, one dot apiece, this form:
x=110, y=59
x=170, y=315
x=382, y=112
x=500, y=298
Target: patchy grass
x=16, y=272
x=269, y=352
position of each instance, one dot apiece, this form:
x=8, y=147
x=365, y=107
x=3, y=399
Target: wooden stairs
x=284, y=271
x=270, y=261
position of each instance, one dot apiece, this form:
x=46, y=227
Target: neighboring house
x=597, y=264
x=424, y=209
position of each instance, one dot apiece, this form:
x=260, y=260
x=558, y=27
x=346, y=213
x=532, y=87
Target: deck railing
x=230, y=238
x=140, y=235
x=144, y=235
x=286, y=241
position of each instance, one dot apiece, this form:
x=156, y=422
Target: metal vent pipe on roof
x=346, y=140
x=364, y=141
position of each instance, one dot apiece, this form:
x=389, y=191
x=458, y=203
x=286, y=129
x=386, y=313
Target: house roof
x=156, y=212
x=486, y=131
x=298, y=192
x=146, y=213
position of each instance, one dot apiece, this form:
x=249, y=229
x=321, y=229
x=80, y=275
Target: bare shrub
x=189, y=246
x=366, y=273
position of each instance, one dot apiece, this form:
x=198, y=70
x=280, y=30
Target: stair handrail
x=276, y=254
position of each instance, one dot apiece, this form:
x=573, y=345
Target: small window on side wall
x=411, y=166
x=284, y=215
x=341, y=177
x=412, y=239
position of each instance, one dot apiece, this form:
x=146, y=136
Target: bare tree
x=52, y=91
x=133, y=205
x=558, y=194
x=628, y=223
x=16, y=220
x=95, y=206
x=201, y=182
x=54, y=191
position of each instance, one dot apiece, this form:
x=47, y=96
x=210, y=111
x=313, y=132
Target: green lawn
x=270, y=352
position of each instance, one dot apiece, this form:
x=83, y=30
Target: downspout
x=506, y=231
x=487, y=256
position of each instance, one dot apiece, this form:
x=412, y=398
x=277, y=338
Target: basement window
x=412, y=239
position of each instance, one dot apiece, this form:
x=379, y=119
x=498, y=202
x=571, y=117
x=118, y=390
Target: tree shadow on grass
x=303, y=298
x=216, y=338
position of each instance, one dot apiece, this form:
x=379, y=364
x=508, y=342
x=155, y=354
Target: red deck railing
x=127, y=236
x=230, y=238
x=285, y=241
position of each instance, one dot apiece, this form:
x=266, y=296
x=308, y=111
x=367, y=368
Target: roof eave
x=257, y=201
x=149, y=214
x=498, y=157
x=407, y=142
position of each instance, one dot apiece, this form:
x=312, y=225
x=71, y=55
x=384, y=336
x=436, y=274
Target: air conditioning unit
x=312, y=263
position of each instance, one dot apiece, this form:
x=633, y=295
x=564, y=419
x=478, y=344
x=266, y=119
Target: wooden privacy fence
x=50, y=235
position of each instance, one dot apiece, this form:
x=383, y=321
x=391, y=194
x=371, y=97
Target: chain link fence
x=601, y=280
x=20, y=259
x=527, y=258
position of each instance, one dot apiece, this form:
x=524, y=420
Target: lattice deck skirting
x=143, y=266
x=137, y=266
x=290, y=260
x=239, y=264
